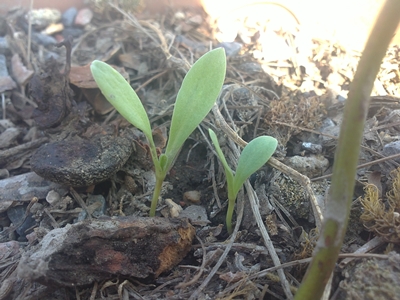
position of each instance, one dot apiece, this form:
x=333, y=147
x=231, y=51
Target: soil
x=77, y=179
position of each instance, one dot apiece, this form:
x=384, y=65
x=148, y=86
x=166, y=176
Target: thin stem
x=156, y=193
x=160, y=176
x=229, y=214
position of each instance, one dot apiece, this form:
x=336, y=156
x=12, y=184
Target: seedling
x=254, y=156
x=198, y=93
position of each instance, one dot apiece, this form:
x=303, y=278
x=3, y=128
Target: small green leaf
x=200, y=89
x=163, y=159
x=121, y=95
x=254, y=156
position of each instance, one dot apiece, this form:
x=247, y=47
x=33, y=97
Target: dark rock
x=231, y=48
x=311, y=147
x=43, y=39
x=72, y=31
x=68, y=17
x=79, y=161
x=311, y=166
x=388, y=150
x=83, y=17
x=250, y=68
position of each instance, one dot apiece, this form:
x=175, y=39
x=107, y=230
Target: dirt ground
x=78, y=228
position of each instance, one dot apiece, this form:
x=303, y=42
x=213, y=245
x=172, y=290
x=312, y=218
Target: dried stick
x=267, y=241
x=205, y=282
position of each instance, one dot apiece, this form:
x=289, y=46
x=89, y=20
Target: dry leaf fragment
x=20, y=72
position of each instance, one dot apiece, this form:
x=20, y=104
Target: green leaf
x=254, y=156
x=163, y=159
x=200, y=89
x=228, y=170
x=121, y=95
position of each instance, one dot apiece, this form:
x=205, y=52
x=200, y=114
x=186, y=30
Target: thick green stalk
x=347, y=153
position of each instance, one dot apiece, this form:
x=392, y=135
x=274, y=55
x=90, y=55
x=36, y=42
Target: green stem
x=160, y=176
x=156, y=193
x=229, y=214
x=347, y=154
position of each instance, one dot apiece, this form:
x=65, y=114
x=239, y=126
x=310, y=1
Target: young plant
x=198, y=93
x=254, y=156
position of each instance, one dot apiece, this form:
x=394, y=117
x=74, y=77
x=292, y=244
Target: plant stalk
x=347, y=154
x=156, y=193
x=229, y=214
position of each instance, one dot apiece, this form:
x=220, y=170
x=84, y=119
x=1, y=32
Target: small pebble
x=6, y=123
x=83, y=17
x=179, y=15
x=192, y=197
x=53, y=28
x=8, y=137
x=43, y=17
x=197, y=215
x=174, y=209
x=231, y=48
x=8, y=249
x=4, y=173
x=392, y=149
x=68, y=16
x=53, y=197
x=250, y=67
x=312, y=148
x=130, y=184
x=311, y=166
x=43, y=39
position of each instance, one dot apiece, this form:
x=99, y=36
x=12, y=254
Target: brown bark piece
x=96, y=250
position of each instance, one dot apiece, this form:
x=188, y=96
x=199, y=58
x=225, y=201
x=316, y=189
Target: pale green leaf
x=163, y=159
x=254, y=156
x=200, y=89
x=121, y=95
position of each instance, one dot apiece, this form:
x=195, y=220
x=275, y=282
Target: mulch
x=81, y=230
